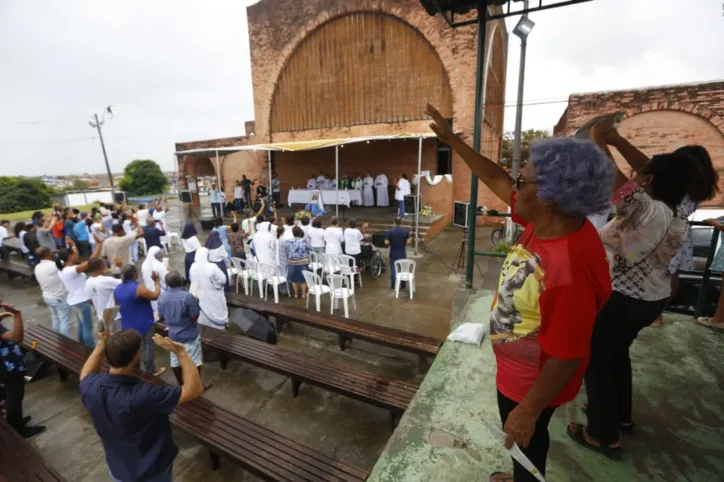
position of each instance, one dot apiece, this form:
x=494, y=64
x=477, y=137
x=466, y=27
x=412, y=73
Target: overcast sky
x=179, y=70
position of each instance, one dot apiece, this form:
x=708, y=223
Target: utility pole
x=97, y=125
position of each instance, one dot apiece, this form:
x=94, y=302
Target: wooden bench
x=392, y=395
x=424, y=346
x=262, y=452
x=19, y=461
x=17, y=269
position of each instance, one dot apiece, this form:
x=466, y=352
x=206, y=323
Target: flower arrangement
x=426, y=210
x=302, y=213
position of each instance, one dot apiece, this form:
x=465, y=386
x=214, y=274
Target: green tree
x=526, y=138
x=143, y=177
x=22, y=194
x=79, y=185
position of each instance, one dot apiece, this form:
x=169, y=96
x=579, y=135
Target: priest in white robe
x=368, y=197
x=312, y=183
x=381, y=182
x=357, y=184
x=320, y=179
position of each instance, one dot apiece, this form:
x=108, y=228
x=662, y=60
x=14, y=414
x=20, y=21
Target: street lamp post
x=97, y=124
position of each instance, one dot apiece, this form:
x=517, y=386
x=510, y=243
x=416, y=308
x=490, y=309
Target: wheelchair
x=372, y=261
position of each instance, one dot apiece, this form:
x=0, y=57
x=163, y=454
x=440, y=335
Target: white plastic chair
x=405, y=271
x=174, y=237
x=272, y=275
x=142, y=246
x=314, y=263
x=255, y=276
x=238, y=269
x=348, y=267
x=315, y=287
x=330, y=264
x=339, y=289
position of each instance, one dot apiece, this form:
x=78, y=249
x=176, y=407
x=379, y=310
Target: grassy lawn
x=25, y=215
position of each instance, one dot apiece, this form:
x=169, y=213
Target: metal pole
x=519, y=107
x=269, y=174
x=417, y=200
x=105, y=156
x=336, y=184
x=218, y=172
x=477, y=124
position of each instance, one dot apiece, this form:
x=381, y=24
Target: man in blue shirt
x=12, y=372
x=152, y=234
x=82, y=236
x=180, y=311
x=132, y=416
x=397, y=238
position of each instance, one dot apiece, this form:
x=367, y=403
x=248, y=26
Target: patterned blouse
x=640, y=243
x=297, y=250
x=236, y=241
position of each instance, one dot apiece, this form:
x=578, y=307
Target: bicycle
x=498, y=234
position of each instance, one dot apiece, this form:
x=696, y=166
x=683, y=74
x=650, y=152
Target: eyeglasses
x=520, y=181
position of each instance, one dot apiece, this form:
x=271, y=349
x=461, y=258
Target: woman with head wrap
x=224, y=233
x=208, y=283
x=217, y=255
x=153, y=263
x=190, y=242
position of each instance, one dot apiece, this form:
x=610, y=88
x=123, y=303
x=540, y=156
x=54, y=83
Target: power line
x=51, y=121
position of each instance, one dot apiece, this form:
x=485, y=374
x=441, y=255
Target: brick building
x=659, y=119
x=327, y=69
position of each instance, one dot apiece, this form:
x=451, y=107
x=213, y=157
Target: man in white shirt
x=73, y=277
x=100, y=287
x=403, y=189
x=333, y=238
x=142, y=214
x=312, y=183
x=320, y=179
x=383, y=199
x=214, y=200
x=238, y=197
x=4, y=234
x=54, y=291
x=305, y=225
x=118, y=245
x=328, y=183
x=221, y=196
x=353, y=241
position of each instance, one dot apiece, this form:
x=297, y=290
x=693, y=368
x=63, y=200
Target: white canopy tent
x=319, y=144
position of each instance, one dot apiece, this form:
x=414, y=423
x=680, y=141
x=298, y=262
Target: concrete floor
x=337, y=426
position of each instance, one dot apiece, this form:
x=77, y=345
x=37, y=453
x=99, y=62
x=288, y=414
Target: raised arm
x=598, y=136
x=145, y=293
x=94, y=363
x=18, y=332
x=488, y=171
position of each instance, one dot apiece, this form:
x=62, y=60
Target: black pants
x=14, y=394
x=537, y=450
x=84, y=249
x=216, y=209
x=4, y=253
x=609, y=384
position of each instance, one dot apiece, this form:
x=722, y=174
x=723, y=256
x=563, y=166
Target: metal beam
x=539, y=8
x=477, y=125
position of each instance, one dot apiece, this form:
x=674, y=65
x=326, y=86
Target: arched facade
x=341, y=75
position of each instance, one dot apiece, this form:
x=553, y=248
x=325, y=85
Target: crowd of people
x=572, y=299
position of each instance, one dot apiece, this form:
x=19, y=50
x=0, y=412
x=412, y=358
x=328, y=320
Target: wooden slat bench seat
x=17, y=269
x=423, y=346
x=19, y=461
x=392, y=395
x=260, y=451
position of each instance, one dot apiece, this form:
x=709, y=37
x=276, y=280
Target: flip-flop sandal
x=579, y=437
x=628, y=429
x=706, y=321
x=501, y=477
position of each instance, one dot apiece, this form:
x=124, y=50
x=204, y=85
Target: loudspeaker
x=186, y=197
x=460, y=213
x=378, y=239
x=120, y=197
x=411, y=204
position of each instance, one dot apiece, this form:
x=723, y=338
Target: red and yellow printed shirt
x=549, y=293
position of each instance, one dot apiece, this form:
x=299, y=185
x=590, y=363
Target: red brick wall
x=659, y=119
x=277, y=27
